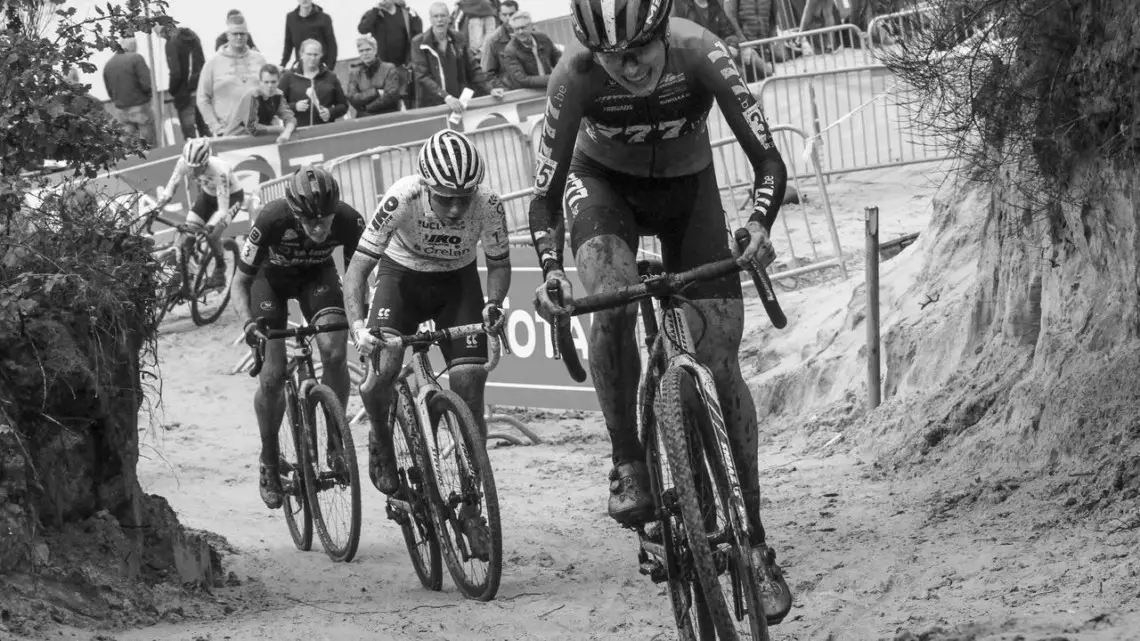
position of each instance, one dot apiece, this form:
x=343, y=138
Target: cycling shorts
x=404, y=298
x=684, y=212
x=316, y=288
x=205, y=210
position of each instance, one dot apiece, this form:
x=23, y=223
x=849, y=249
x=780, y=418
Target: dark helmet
x=617, y=25
x=312, y=192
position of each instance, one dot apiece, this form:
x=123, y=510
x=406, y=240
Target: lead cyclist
x=625, y=152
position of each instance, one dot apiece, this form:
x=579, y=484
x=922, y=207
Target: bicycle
x=433, y=432
x=699, y=543
x=303, y=481
x=192, y=270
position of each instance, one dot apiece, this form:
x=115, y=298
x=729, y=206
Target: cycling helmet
x=616, y=25
x=449, y=160
x=197, y=151
x=312, y=192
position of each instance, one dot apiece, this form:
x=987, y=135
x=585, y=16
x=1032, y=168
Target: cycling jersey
x=278, y=240
x=662, y=135
x=405, y=229
x=217, y=180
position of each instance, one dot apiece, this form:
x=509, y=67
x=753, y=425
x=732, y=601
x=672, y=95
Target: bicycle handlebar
x=496, y=343
x=275, y=334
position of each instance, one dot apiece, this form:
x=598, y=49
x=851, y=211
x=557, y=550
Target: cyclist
x=220, y=197
x=421, y=243
x=625, y=152
x=289, y=255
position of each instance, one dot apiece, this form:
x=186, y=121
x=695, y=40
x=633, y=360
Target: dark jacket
x=365, y=82
x=224, y=40
x=184, y=59
x=127, y=79
x=713, y=18
x=254, y=114
x=521, y=68
x=318, y=26
x=329, y=93
x=493, y=48
x=373, y=23
x=438, y=76
x=757, y=18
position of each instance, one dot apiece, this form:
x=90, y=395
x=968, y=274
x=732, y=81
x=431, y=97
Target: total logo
x=527, y=332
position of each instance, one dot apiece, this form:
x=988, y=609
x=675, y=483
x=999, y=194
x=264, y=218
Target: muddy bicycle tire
x=414, y=474
x=201, y=314
x=321, y=401
x=298, y=514
x=474, y=468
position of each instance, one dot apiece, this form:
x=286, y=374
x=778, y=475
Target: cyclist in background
x=625, y=152
x=219, y=198
x=289, y=255
x=421, y=243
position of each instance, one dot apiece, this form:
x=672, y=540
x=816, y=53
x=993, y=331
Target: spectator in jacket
x=184, y=60
x=475, y=19
x=256, y=113
x=373, y=85
x=444, y=65
x=530, y=57
x=309, y=21
x=393, y=26
x=228, y=76
x=312, y=90
x=710, y=14
x=224, y=38
x=127, y=79
x=495, y=43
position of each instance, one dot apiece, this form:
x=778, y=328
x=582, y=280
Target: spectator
x=228, y=76
x=373, y=85
x=184, y=60
x=224, y=39
x=393, y=26
x=255, y=114
x=711, y=15
x=475, y=19
x=495, y=43
x=756, y=18
x=312, y=90
x=530, y=57
x=127, y=79
x=444, y=66
x=309, y=21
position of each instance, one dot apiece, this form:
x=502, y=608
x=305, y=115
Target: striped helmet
x=196, y=151
x=449, y=160
x=312, y=192
x=616, y=25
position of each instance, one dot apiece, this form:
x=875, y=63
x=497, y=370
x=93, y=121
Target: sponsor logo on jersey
x=379, y=221
x=254, y=236
x=575, y=193
x=472, y=341
x=290, y=234
x=248, y=251
x=618, y=108
x=267, y=305
x=447, y=239
x=670, y=79
x=755, y=116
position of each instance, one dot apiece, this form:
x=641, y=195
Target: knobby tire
x=198, y=310
x=415, y=477
x=320, y=400
x=291, y=466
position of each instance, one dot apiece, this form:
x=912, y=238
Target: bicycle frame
x=300, y=375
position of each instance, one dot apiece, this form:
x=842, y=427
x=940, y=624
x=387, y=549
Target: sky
x=267, y=25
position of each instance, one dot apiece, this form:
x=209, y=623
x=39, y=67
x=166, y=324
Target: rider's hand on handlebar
x=493, y=318
x=759, y=248
x=253, y=334
x=546, y=307
x=364, y=341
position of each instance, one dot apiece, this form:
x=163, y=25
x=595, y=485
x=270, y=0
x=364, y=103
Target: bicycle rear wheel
x=206, y=304
x=467, y=505
x=411, y=507
x=333, y=488
x=298, y=514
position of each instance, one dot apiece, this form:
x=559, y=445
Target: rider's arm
x=564, y=100
x=180, y=170
x=497, y=251
x=249, y=262
x=746, y=119
x=352, y=225
x=222, y=187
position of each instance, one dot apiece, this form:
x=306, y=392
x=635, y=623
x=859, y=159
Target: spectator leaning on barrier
x=373, y=85
x=127, y=79
x=255, y=115
x=475, y=19
x=228, y=76
x=309, y=21
x=495, y=43
x=184, y=60
x=444, y=65
x=312, y=89
x=530, y=57
x=393, y=26
x=224, y=39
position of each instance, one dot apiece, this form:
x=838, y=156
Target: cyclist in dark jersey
x=289, y=255
x=625, y=152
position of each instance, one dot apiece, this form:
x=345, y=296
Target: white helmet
x=449, y=160
x=196, y=151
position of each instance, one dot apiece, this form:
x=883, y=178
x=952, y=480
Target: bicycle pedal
x=655, y=570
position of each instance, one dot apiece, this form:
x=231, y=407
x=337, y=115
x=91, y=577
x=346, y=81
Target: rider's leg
x=322, y=302
x=459, y=297
x=269, y=399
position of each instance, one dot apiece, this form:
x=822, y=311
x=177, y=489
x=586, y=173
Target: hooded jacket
x=317, y=25
x=438, y=76
x=365, y=82
x=224, y=40
x=254, y=114
x=225, y=79
x=184, y=59
x=330, y=94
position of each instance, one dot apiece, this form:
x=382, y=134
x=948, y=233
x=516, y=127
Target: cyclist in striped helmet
x=289, y=255
x=421, y=246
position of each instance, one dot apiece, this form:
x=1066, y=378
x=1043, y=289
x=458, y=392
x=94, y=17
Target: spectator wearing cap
x=127, y=79
x=495, y=43
x=530, y=56
x=264, y=110
x=373, y=85
x=312, y=89
x=223, y=39
x=228, y=76
x=309, y=22
x=393, y=26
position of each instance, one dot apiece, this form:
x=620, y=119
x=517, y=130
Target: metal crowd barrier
x=359, y=184
x=810, y=51
x=510, y=160
x=890, y=29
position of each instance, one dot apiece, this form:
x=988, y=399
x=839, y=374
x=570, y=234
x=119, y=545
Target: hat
x=236, y=24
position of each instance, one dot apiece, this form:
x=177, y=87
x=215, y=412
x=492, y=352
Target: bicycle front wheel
x=334, y=487
x=291, y=465
x=411, y=507
x=467, y=504
x=208, y=303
